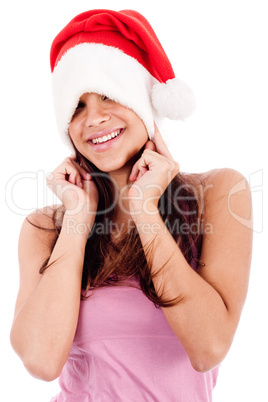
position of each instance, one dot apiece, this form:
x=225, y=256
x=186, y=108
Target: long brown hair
x=107, y=262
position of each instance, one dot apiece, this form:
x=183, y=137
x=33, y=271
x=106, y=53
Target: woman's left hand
x=151, y=175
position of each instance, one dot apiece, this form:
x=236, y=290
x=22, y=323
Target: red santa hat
x=117, y=54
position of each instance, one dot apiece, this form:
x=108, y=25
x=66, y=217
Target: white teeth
x=106, y=137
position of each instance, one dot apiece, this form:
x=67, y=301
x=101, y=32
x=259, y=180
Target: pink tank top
x=124, y=350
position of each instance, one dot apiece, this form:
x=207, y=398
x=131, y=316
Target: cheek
x=142, y=134
x=137, y=128
x=141, y=130
x=74, y=135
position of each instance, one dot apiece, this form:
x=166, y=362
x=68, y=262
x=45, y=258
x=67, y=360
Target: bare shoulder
x=46, y=217
x=219, y=187
x=223, y=179
x=227, y=244
x=37, y=238
x=40, y=228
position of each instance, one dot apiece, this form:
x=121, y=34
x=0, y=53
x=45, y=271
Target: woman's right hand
x=74, y=186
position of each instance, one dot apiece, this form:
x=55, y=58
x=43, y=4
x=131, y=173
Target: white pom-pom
x=174, y=99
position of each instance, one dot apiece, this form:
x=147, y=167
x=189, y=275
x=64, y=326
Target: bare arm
x=47, y=306
x=211, y=301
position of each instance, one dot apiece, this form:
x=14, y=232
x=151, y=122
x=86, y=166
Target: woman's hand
x=151, y=175
x=74, y=186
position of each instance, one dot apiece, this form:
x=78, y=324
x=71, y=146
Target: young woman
x=132, y=288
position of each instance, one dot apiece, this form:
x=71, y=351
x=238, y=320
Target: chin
x=118, y=162
x=111, y=166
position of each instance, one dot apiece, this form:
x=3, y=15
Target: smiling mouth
x=107, y=137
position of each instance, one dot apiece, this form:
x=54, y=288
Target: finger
x=76, y=178
x=142, y=171
x=82, y=170
x=134, y=171
x=139, y=168
x=72, y=174
x=140, y=162
x=160, y=144
x=138, y=173
x=84, y=173
x=82, y=163
x=150, y=145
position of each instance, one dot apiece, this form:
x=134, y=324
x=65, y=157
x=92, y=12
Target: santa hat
x=117, y=54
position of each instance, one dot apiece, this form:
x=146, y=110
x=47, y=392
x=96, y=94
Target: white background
x=220, y=49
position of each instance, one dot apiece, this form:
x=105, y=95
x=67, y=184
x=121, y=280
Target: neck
x=121, y=180
x=121, y=176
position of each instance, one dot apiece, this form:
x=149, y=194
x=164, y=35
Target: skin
x=211, y=301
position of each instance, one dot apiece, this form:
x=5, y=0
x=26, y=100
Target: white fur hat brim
x=106, y=70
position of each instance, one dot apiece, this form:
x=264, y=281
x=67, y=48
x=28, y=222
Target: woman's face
x=105, y=132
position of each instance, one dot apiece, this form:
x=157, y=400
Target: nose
x=96, y=113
